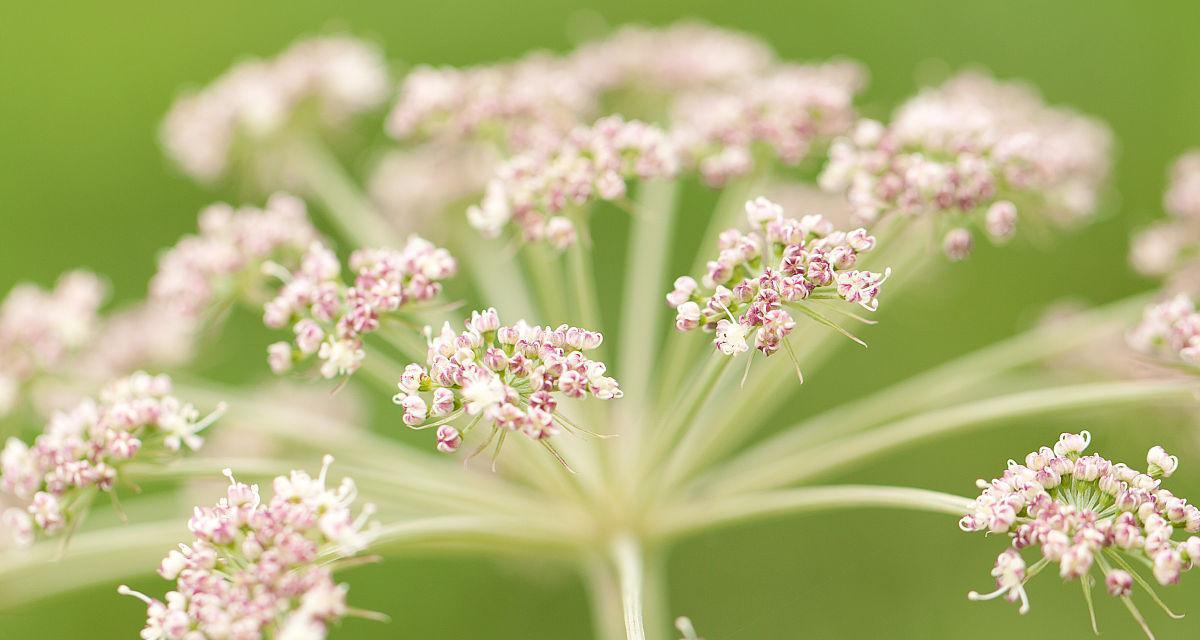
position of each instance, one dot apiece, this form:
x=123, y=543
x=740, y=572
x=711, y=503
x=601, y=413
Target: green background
x=83, y=183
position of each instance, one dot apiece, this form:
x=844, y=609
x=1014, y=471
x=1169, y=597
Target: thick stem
x=705, y=514
x=627, y=558
x=840, y=455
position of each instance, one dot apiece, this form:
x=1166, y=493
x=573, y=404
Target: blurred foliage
x=83, y=183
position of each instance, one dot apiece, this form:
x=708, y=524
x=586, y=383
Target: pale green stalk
x=347, y=206
x=627, y=558
x=697, y=396
x=604, y=596
x=706, y=514
x=840, y=455
x=956, y=376
x=496, y=275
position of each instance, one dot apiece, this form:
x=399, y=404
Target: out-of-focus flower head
x=519, y=105
x=415, y=188
x=82, y=451
x=1169, y=247
x=329, y=78
x=261, y=569
x=329, y=318
x=781, y=114
x=224, y=260
x=977, y=152
x=534, y=190
x=1169, y=330
x=512, y=376
x=1085, y=514
x=40, y=329
x=748, y=292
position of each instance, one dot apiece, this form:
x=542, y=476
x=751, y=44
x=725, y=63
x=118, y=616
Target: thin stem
x=706, y=514
x=687, y=408
x=738, y=476
x=627, y=558
x=348, y=208
x=604, y=595
x=497, y=276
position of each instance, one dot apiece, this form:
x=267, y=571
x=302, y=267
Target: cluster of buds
x=329, y=318
x=1084, y=511
x=83, y=450
x=534, y=189
x=1168, y=247
x=680, y=57
x=40, y=328
x=512, y=376
x=973, y=149
x=224, y=261
x=783, y=114
x=782, y=264
x=328, y=78
x=1170, y=330
x=262, y=569
x=520, y=105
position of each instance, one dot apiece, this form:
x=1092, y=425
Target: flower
x=337, y=76
x=84, y=449
x=224, y=260
x=39, y=329
x=261, y=569
x=783, y=264
x=1083, y=512
x=784, y=113
x=1165, y=248
x=329, y=318
x=512, y=376
x=1169, y=330
x=960, y=149
x=531, y=189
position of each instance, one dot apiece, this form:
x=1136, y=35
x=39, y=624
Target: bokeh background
x=83, y=183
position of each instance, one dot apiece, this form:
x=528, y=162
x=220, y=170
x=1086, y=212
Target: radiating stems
x=707, y=513
x=662, y=435
x=961, y=374
x=839, y=455
x=496, y=275
x=629, y=563
x=545, y=270
x=646, y=282
x=347, y=206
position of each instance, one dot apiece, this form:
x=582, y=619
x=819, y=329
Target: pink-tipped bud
x=1119, y=583
x=957, y=244
x=448, y=439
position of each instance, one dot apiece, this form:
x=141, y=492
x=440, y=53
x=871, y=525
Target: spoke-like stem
x=962, y=374
x=627, y=558
x=840, y=455
x=705, y=514
x=604, y=595
x=663, y=435
x=496, y=275
x=348, y=208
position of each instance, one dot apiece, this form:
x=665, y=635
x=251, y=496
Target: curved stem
x=347, y=207
x=741, y=475
x=706, y=514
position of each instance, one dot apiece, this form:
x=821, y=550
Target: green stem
x=627, y=558
x=347, y=207
x=788, y=468
x=705, y=514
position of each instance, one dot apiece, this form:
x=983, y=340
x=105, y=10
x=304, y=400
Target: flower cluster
x=261, y=569
x=1170, y=330
x=1083, y=511
x=783, y=113
x=225, y=259
x=1169, y=246
x=334, y=78
x=513, y=376
x=83, y=450
x=534, y=189
x=521, y=105
x=683, y=56
x=978, y=149
x=329, y=319
x=39, y=328
x=783, y=263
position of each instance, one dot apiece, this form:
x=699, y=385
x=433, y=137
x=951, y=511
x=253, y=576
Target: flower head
x=1169, y=330
x=1085, y=512
x=533, y=190
x=511, y=376
x=84, y=449
x=331, y=78
x=783, y=113
x=260, y=568
x=748, y=293
x=960, y=149
x=1166, y=248
x=329, y=318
